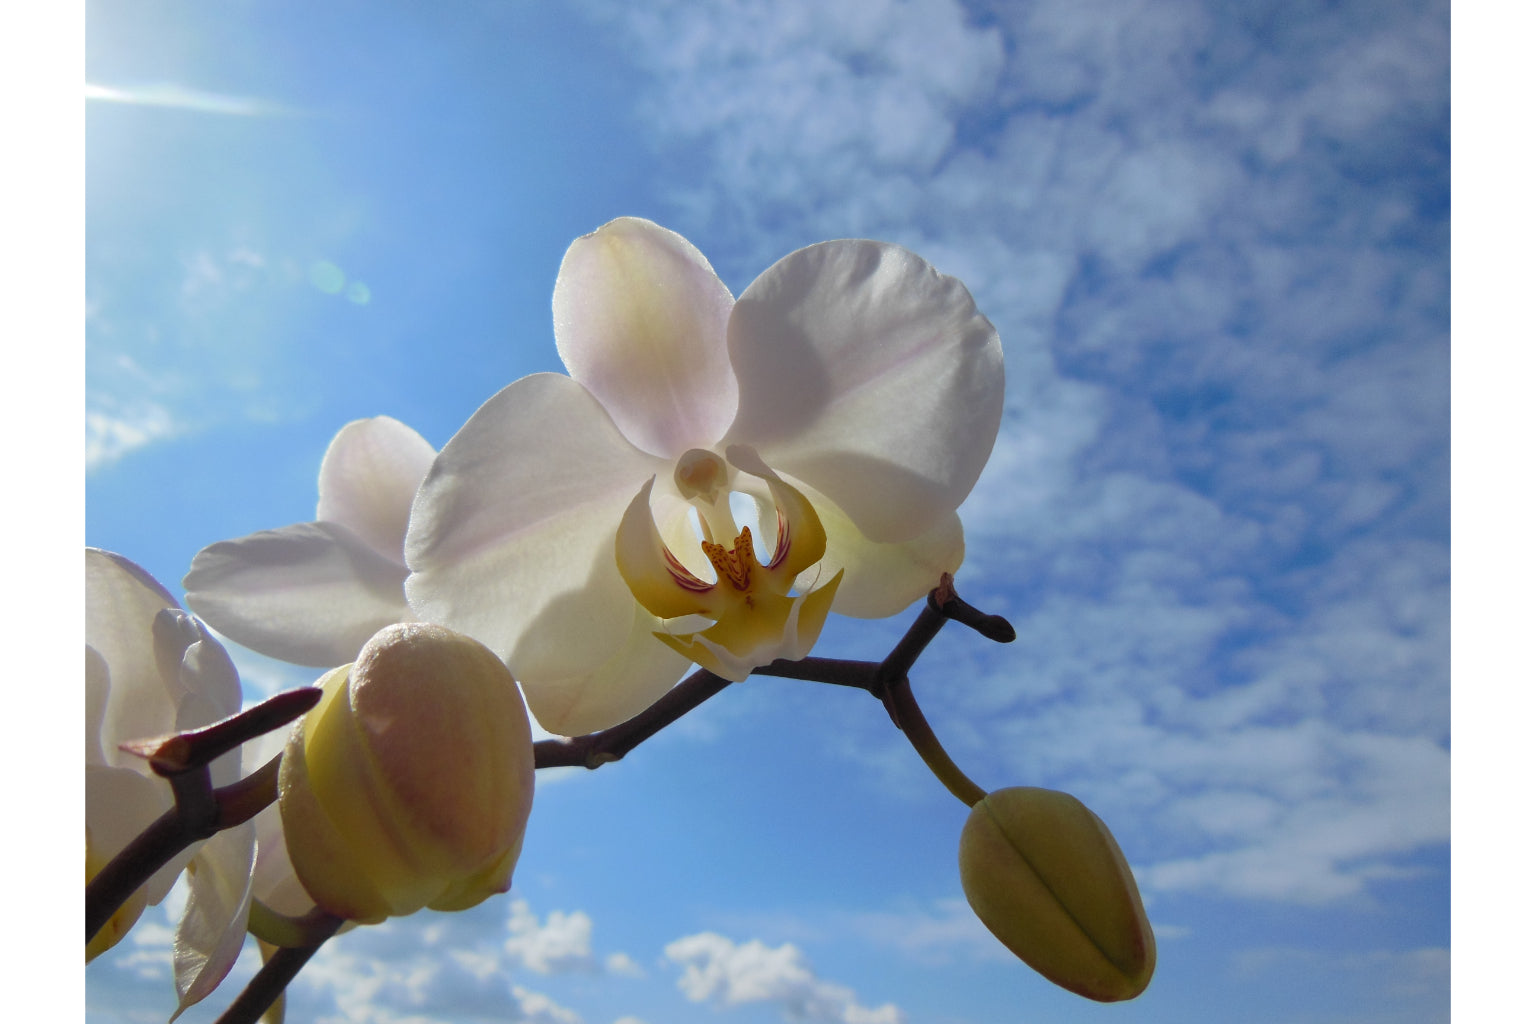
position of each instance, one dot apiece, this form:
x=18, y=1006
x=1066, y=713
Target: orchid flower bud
x=409, y=784
x=1049, y=880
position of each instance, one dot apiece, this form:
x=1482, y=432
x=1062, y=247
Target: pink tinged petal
x=881, y=579
x=312, y=593
x=212, y=929
x=640, y=320
x=368, y=479
x=872, y=377
x=638, y=673
x=511, y=537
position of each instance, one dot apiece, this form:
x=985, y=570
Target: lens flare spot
x=327, y=277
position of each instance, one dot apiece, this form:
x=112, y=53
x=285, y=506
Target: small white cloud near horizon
x=731, y=974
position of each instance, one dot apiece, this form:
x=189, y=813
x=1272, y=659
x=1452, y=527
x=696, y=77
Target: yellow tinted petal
x=658, y=580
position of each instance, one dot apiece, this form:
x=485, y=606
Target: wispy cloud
x=1410, y=986
x=448, y=968
x=109, y=435
x=174, y=96
x=1218, y=507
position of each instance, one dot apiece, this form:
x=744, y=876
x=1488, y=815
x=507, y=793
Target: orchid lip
x=757, y=615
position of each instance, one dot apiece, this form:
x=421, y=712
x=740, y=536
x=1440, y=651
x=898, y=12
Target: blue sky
x=1215, y=241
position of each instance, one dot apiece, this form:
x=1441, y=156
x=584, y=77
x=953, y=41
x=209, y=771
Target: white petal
x=640, y=321
x=273, y=880
x=880, y=579
x=628, y=682
x=212, y=689
x=119, y=804
x=98, y=683
x=644, y=562
x=312, y=593
x=121, y=602
x=368, y=478
x=872, y=377
x=212, y=928
x=512, y=532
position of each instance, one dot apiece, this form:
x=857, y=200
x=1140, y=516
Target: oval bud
x=1047, y=877
x=410, y=783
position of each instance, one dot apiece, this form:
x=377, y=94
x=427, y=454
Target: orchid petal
x=211, y=687
x=200, y=665
x=368, y=478
x=639, y=317
x=119, y=804
x=882, y=579
x=511, y=536
x=872, y=377
x=273, y=880
x=121, y=602
x=657, y=579
x=311, y=593
x=798, y=514
x=212, y=930
x=628, y=682
x=98, y=684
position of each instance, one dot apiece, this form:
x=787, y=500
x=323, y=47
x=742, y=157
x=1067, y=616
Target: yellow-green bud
x=1045, y=875
x=409, y=784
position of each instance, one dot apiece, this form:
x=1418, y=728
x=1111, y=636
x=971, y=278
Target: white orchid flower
x=580, y=526
x=314, y=593
x=152, y=669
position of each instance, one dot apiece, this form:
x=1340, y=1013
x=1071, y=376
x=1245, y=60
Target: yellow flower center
x=733, y=564
x=757, y=618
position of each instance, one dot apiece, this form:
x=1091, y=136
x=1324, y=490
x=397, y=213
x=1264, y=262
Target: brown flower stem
x=131, y=868
x=863, y=675
x=185, y=751
x=272, y=980
x=886, y=680
x=200, y=810
x=910, y=720
x=599, y=748
x=241, y=801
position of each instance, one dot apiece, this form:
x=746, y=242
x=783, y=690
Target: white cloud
x=622, y=965
x=537, y=1008
x=732, y=974
x=421, y=970
x=109, y=435
x=563, y=943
